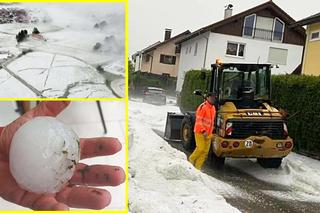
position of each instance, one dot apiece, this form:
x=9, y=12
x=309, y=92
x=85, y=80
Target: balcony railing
x=269, y=35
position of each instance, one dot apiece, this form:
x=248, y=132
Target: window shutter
x=278, y=56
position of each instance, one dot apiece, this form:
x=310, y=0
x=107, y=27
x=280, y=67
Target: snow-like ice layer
x=69, y=30
x=160, y=177
x=298, y=173
x=13, y=29
x=115, y=68
x=43, y=155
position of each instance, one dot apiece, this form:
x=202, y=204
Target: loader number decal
x=248, y=143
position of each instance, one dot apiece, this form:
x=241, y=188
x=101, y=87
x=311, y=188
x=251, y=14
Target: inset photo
x=58, y=155
x=62, y=50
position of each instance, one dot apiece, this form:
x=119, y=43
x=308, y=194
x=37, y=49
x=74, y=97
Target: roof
x=145, y=49
x=267, y=5
x=309, y=20
x=179, y=36
x=150, y=46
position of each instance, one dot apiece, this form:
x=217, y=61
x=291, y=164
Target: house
x=311, y=62
x=257, y=35
x=161, y=58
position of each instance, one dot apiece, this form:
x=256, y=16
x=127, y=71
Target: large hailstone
x=43, y=155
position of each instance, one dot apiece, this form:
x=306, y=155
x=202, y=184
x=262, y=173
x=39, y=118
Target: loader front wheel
x=187, y=135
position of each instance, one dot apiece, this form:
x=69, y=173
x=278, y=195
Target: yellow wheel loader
x=246, y=125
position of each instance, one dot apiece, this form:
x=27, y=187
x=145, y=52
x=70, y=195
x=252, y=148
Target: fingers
x=10, y=191
x=98, y=175
x=47, y=108
x=84, y=197
x=48, y=203
x=93, y=147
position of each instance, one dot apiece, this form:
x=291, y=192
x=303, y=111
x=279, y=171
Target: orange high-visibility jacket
x=205, y=117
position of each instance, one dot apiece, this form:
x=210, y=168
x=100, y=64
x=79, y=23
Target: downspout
x=205, y=53
x=151, y=63
x=304, y=52
x=140, y=58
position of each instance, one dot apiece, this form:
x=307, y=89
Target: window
x=195, y=49
x=278, y=30
x=234, y=79
x=277, y=56
x=190, y=47
x=167, y=59
x=263, y=28
x=315, y=36
x=235, y=49
x=187, y=50
x=248, y=26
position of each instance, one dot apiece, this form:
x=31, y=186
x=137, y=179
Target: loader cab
x=246, y=85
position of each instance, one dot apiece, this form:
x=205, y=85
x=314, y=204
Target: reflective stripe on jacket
x=205, y=117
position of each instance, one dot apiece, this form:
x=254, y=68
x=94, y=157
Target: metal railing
x=269, y=35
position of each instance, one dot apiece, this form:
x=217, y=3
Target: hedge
x=299, y=96
x=194, y=79
x=139, y=80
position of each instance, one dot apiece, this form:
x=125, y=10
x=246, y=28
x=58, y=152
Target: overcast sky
x=149, y=18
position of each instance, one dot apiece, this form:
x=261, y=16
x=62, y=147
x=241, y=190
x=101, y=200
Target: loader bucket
x=173, y=126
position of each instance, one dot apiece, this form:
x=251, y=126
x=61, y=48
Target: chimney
x=228, y=11
x=167, y=34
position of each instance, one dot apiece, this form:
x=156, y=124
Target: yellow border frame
x=90, y=99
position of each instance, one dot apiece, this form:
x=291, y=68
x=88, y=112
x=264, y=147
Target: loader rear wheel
x=187, y=135
x=269, y=162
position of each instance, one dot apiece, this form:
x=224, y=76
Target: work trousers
x=200, y=154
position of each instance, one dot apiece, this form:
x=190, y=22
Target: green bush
x=194, y=79
x=299, y=96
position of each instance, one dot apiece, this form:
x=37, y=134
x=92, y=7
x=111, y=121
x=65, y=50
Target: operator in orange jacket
x=203, y=128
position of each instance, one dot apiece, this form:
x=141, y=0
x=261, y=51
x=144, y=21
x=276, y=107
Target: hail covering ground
x=64, y=63
x=162, y=180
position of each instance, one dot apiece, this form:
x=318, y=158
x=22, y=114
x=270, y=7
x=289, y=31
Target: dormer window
x=278, y=30
x=249, y=23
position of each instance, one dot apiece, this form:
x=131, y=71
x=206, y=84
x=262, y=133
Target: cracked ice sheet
x=118, y=86
x=54, y=73
x=12, y=88
x=85, y=91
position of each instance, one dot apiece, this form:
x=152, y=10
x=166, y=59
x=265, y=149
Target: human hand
x=78, y=193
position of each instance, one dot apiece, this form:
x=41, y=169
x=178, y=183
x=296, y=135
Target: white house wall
x=256, y=51
x=137, y=64
x=189, y=61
